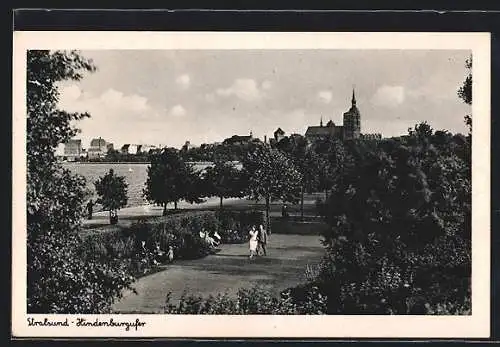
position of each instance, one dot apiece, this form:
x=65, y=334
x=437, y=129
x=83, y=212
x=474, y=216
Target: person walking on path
x=90, y=206
x=262, y=239
x=254, y=233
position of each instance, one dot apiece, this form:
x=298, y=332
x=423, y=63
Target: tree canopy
x=401, y=227
x=59, y=279
x=223, y=180
x=272, y=176
x=112, y=191
x=171, y=179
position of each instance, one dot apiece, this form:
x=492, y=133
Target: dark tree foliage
x=112, y=192
x=272, y=176
x=400, y=237
x=223, y=180
x=333, y=161
x=59, y=279
x=171, y=179
x=465, y=91
x=306, y=161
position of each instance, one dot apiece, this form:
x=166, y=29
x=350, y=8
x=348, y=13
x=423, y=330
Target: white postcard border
x=475, y=325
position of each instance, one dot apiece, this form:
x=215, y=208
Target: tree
x=112, y=192
x=113, y=155
x=333, y=160
x=400, y=227
x=59, y=279
x=272, y=176
x=305, y=161
x=223, y=180
x=170, y=179
x=465, y=91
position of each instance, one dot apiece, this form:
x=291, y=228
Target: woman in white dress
x=253, y=241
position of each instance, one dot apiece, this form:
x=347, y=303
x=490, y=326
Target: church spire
x=353, y=98
x=321, y=121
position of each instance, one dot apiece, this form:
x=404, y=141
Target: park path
x=226, y=271
x=128, y=215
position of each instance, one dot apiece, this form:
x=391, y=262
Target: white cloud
x=117, y=117
x=177, y=111
x=389, y=96
x=325, y=96
x=115, y=100
x=183, y=81
x=110, y=102
x=210, y=97
x=243, y=88
x=266, y=85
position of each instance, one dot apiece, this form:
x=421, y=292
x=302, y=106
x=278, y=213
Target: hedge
x=235, y=225
x=254, y=300
x=179, y=231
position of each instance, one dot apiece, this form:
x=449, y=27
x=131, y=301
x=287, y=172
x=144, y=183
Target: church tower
x=352, y=120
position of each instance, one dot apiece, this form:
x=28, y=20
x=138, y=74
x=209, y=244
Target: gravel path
x=226, y=271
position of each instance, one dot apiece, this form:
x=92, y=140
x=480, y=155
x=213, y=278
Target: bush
x=255, y=300
x=234, y=225
x=59, y=279
x=179, y=231
x=399, y=241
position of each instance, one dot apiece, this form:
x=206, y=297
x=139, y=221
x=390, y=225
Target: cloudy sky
x=168, y=97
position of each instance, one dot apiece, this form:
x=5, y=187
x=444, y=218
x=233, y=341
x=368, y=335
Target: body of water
x=135, y=175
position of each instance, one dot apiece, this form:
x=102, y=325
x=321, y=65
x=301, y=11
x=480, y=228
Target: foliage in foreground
x=400, y=236
x=59, y=279
x=255, y=300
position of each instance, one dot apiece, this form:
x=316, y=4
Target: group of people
x=214, y=239
x=258, y=241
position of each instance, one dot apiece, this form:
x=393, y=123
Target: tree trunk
x=302, y=203
x=164, y=209
x=221, y=203
x=268, y=220
x=175, y=205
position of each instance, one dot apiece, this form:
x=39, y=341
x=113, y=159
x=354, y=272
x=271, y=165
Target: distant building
x=351, y=129
x=73, y=150
x=147, y=148
x=352, y=121
x=130, y=149
x=279, y=135
x=134, y=149
x=187, y=146
x=314, y=133
x=124, y=149
x=98, y=148
x=238, y=140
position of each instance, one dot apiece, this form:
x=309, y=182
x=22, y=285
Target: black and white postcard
x=237, y=184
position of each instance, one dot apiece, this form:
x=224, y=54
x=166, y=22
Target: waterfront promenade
x=226, y=272
x=128, y=214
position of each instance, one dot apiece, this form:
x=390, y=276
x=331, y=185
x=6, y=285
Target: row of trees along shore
x=398, y=209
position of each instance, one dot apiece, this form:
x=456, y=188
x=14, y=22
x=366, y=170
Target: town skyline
x=170, y=97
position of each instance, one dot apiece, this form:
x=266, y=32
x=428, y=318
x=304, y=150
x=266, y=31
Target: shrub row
x=137, y=245
x=234, y=225
x=255, y=300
